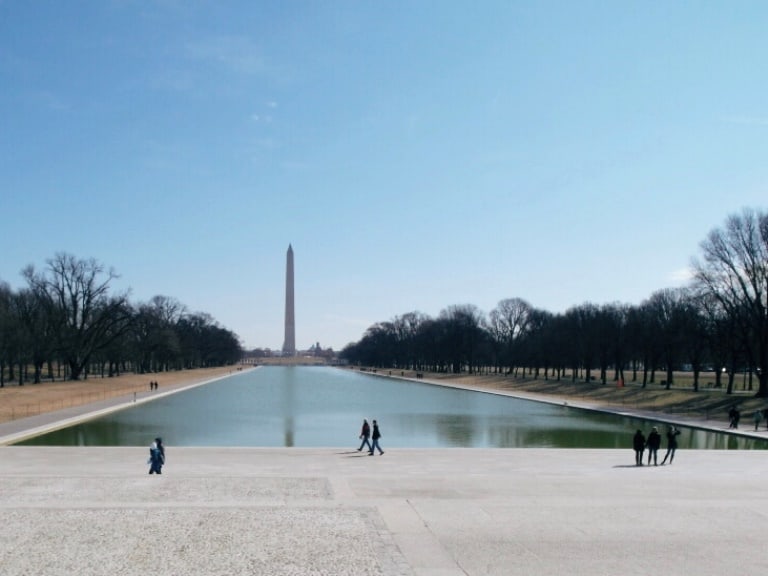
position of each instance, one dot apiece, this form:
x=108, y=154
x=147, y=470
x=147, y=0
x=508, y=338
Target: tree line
x=68, y=323
x=718, y=322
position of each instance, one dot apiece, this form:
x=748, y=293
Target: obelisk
x=289, y=345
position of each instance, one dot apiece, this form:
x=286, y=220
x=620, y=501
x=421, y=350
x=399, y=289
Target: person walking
x=653, y=444
x=672, y=435
x=758, y=417
x=375, y=437
x=734, y=416
x=638, y=443
x=156, y=456
x=365, y=434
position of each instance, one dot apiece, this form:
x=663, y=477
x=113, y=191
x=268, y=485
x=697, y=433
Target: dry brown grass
x=32, y=399
x=679, y=401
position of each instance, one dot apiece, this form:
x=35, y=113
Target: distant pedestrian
x=638, y=443
x=734, y=416
x=758, y=417
x=365, y=434
x=375, y=437
x=156, y=456
x=653, y=444
x=672, y=435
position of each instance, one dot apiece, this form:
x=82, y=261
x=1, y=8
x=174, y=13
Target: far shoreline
x=491, y=384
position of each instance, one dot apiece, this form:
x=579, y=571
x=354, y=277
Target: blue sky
x=416, y=155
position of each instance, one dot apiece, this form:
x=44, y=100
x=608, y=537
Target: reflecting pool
x=319, y=406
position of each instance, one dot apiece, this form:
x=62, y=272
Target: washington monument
x=289, y=345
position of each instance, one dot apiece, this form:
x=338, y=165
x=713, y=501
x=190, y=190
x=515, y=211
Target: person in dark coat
x=672, y=435
x=156, y=456
x=375, y=437
x=638, y=443
x=734, y=416
x=365, y=433
x=653, y=444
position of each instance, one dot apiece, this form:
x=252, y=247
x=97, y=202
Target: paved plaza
x=336, y=512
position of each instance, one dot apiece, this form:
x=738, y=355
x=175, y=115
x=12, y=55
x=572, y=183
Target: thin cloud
x=264, y=117
x=681, y=276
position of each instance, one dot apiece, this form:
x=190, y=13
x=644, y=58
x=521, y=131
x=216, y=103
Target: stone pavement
x=446, y=512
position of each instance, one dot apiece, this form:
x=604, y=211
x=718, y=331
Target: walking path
x=334, y=511
x=21, y=428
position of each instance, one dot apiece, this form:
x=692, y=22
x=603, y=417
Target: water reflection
x=312, y=406
x=288, y=392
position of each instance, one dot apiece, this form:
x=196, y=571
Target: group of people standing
x=653, y=443
x=370, y=437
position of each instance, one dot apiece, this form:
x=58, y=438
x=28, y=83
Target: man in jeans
x=375, y=437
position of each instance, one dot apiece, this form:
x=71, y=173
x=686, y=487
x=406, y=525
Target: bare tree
x=734, y=271
x=464, y=336
x=7, y=330
x=609, y=331
x=510, y=321
x=85, y=318
x=406, y=329
x=36, y=334
x=668, y=308
x=156, y=334
x=581, y=325
x=535, y=345
x=695, y=338
x=203, y=343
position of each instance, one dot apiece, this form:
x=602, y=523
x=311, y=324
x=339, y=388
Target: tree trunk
x=74, y=370
x=762, y=389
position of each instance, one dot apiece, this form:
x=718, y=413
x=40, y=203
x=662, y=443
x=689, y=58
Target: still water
x=319, y=406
